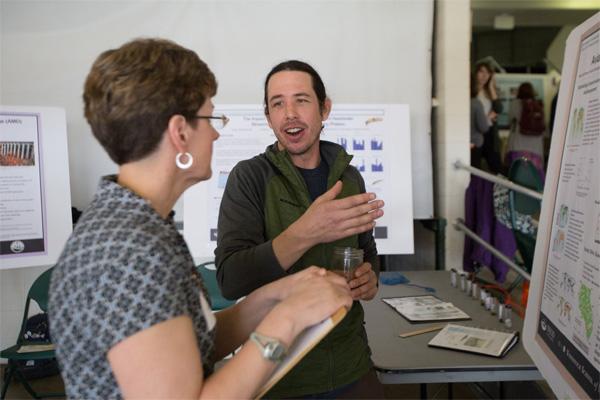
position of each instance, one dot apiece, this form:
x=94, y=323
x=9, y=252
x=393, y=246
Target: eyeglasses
x=217, y=121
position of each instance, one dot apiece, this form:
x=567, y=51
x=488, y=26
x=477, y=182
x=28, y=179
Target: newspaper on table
x=425, y=308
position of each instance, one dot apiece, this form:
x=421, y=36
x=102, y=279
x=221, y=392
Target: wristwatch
x=270, y=348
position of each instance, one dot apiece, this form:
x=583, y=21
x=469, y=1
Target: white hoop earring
x=183, y=165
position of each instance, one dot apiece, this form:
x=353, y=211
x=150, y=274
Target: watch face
x=277, y=351
x=270, y=348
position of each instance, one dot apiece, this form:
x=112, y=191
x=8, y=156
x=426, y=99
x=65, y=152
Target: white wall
x=14, y=285
x=366, y=51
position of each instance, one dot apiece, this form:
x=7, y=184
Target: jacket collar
x=336, y=157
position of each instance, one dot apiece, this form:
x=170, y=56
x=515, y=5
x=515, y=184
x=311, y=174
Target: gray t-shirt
x=123, y=270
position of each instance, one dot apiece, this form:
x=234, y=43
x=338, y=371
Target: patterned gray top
x=123, y=270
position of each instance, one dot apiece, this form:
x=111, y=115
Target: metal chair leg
x=25, y=384
x=8, y=373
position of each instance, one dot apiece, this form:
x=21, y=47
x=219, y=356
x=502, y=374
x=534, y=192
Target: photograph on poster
x=17, y=154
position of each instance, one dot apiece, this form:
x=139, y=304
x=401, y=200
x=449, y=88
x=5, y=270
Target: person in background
x=128, y=313
x=530, y=146
x=492, y=106
x=480, y=125
x=286, y=209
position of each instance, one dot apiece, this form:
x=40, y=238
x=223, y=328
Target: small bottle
x=493, y=305
x=483, y=297
x=500, y=312
x=507, y=316
x=475, y=293
x=453, y=281
x=463, y=282
x=469, y=287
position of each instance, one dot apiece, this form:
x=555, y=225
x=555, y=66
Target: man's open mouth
x=293, y=131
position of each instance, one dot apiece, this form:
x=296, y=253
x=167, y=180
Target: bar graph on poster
x=378, y=137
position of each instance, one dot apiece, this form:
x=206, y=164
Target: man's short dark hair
x=301, y=66
x=131, y=93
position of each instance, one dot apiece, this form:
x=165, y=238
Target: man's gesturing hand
x=328, y=219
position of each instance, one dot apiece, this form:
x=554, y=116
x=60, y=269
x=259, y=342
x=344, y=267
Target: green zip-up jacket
x=263, y=196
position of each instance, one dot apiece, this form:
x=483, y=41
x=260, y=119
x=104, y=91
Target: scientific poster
x=35, y=195
x=377, y=135
x=22, y=206
x=569, y=320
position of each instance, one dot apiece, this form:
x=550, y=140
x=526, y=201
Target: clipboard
x=304, y=343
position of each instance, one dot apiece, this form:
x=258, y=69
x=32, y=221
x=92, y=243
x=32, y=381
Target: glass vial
x=345, y=260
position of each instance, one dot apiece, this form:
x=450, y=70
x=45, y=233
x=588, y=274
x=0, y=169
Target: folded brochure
x=475, y=340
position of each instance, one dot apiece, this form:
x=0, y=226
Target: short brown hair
x=131, y=93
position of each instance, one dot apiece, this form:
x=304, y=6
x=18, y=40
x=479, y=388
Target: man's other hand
x=364, y=284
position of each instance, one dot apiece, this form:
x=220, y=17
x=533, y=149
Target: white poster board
x=377, y=135
x=35, y=198
x=562, y=324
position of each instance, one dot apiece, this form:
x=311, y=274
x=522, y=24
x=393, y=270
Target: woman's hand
x=282, y=288
x=310, y=296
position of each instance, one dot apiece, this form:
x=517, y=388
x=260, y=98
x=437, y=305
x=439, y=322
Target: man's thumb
x=332, y=193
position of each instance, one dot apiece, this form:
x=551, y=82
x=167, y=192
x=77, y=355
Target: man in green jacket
x=286, y=209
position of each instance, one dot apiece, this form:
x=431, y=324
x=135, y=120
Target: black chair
x=39, y=293
x=524, y=212
x=525, y=209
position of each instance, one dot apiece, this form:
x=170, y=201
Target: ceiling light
x=504, y=22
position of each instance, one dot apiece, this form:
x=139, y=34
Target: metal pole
x=498, y=179
x=459, y=225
